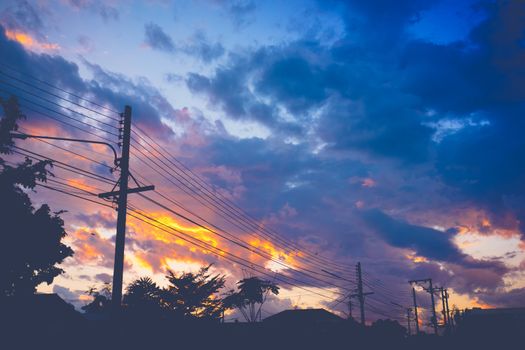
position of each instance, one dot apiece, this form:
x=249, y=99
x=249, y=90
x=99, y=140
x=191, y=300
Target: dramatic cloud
x=427, y=242
x=423, y=102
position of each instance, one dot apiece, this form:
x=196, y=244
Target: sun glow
x=29, y=42
x=416, y=259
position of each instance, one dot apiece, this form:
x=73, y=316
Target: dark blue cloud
x=484, y=163
x=157, y=39
x=378, y=91
x=427, y=242
x=294, y=82
x=227, y=89
x=198, y=46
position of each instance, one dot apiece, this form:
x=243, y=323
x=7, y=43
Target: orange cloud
x=368, y=182
x=275, y=254
x=37, y=127
x=159, y=256
x=80, y=183
x=416, y=259
x=29, y=42
x=90, y=247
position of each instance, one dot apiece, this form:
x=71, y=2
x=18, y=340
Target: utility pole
x=121, y=198
x=415, y=310
x=450, y=321
x=434, y=319
x=444, y=308
x=360, y=295
x=409, y=311
x=430, y=290
x=350, y=308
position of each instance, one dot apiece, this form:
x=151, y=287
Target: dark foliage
x=31, y=237
x=252, y=291
x=144, y=298
x=194, y=295
x=100, y=306
x=189, y=296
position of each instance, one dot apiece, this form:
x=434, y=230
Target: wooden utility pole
x=360, y=294
x=434, y=318
x=121, y=197
x=444, y=308
x=430, y=290
x=450, y=322
x=415, y=310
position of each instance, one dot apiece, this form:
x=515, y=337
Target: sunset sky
x=385, y=132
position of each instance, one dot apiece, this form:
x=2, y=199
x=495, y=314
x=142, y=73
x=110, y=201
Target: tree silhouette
x=251, y=292
x=31, y=238
x=101, y=303
x=144, y=298
x=388, y=329
x=194, y=295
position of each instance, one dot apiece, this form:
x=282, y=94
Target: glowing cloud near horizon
x=29, y=42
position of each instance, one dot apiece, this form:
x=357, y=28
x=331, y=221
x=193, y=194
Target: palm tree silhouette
x=251, y=292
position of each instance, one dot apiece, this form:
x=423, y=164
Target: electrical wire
x=58, y=88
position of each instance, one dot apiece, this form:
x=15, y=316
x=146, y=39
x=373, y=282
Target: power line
x=243, y=244
x=57, y=96
x=233, y=206
x=246, y=246
x=58, y=88
x=57, y=105
x=71, y=144
x=82, y=171
x=191, y=192
x=61, y=106
x=73, y=195
x=75, y=153
x=63, y=121
x=231, y=212
x=223, y=253
x=195, y=241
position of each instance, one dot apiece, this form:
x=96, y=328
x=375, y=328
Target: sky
x=389, y=133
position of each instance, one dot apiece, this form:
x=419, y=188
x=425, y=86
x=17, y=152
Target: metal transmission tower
x=120, y=196
x=360, y=295
x=430, y=290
